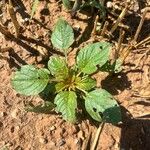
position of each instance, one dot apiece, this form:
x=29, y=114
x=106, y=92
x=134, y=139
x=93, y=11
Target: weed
x=70, y=85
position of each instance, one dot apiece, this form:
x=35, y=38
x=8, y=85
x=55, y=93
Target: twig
x=13, y=18
x=121, y=16
x=119, y=44
x=140, y=26
x=95, y=25
x=99, y=130
x=86, y=142
x=146, y=40
x=104, y=28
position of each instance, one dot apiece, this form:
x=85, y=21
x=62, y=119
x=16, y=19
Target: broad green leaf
x=29, y=80
x=92, y=55
x=43, y=108
x=34, y=7
x=66, y=104
x=67, y=4
x=62, y=36
x=102, y=106
x=86, y=83
x=58, y=67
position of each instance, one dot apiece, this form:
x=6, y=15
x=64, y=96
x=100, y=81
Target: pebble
x=109, y=4
x=14, y=113
x=43, y=140
x=2, y=114
x=61, y=142
x=52, y=128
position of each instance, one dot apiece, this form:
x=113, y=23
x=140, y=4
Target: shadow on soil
x=135, y=133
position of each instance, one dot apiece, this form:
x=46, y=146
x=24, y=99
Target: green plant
x=70, y=84
x=79, y=4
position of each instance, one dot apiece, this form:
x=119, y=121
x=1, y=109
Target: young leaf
x=34, y=7
x=62, y=36
x=91, y=56
x=58, y=67
x=60, y=86
x=43, y=108
x=102, y=106
x=86, y=83
x=66, y=104
x=29, y=80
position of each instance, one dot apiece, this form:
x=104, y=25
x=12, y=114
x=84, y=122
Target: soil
x=21, y=130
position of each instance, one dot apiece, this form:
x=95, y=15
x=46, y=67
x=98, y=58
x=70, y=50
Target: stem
x=121, y=38
x=82, y=90
x=78, y=74
x=14, y=18
x=99, y=131
x=103, y=32
x=121, y=16
x=140, y=25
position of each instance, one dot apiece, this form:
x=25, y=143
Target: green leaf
x=43, y=108
x=102, y=106
x=34, y=7
x=58, y=67
x=60, y=86
x=29, y=80
x=92, y=55
x=67, y=4
x=66, y=104
x=85, y=83
x=62, y=36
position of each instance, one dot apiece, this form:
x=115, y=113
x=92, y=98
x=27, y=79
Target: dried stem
x=104, y=28
x=119, y=44
x=95, y=25
x=146, y=40
x=99, y=131
x=140, y=26
x=121, y=16
x=13, y=18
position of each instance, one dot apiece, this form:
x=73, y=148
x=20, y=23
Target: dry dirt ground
x=21, y=130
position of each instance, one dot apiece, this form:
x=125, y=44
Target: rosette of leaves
x=66, y=83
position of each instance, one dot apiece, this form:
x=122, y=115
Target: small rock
x=61, y=142
x=14, y=113
x=109, y=4
x=52, y=128
x=2, y=114
x=43, y=140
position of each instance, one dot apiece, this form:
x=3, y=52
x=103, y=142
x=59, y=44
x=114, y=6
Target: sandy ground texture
x=21, y=130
